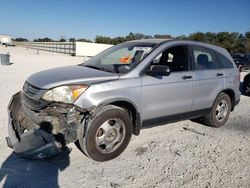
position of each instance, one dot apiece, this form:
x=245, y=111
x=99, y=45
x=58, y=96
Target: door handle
x=219, y=74
x=185, y=77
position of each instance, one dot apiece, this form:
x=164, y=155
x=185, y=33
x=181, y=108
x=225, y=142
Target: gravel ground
x=183, y=154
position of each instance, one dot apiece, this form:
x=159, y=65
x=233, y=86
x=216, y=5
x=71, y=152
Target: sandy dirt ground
x=162, y=156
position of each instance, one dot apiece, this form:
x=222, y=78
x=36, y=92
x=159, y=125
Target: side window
x=223, y=61
x=174, y=57
x=204, y=59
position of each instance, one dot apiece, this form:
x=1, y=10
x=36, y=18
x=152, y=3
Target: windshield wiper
x=94, y=67
x=98, y=68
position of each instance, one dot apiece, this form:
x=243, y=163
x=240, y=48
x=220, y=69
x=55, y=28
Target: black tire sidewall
x=246, y=83
x=97, y=120
x=244, y=88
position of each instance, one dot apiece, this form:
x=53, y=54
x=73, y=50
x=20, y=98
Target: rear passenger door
x=232, y=75
x=209, y=77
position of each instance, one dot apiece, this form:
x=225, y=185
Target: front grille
x=30, y=90
x=34, y=104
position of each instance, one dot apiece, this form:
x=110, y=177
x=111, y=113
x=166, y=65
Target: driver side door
x=164, y=96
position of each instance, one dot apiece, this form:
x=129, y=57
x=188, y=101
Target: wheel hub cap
x=110, y=135
x=221, y=110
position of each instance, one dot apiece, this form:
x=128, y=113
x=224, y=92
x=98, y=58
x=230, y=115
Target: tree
x=84, y=40
x=240, y=45
x=210, y=37
x=46, y=39
x=103, y=39
x=247, y=38
x=130, y=37
x=181, y=37
x=62, y=39
x=72, y=39
x=21, y=40
x=118, y=40
x=138, y=36
x=199, y=36
x=234, y=42
x=159, y=36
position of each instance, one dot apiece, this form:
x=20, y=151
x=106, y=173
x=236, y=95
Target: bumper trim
x=37, y=144
x=44, y=152
x=8, y=142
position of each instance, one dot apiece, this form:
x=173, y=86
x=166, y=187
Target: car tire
x=245, y=84
x=107, y=133
x=219, y=112
x=244, y=88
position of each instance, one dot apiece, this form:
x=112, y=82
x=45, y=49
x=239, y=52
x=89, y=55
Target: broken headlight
x=67, y=94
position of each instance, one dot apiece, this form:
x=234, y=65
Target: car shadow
x=19, y=172
x=243, y=126
x=7, y=64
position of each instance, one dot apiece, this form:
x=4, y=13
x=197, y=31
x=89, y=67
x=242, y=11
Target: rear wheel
x=246, y=84
x=107, y=134
x=220, y=111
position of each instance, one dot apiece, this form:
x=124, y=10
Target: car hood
x=69, y=75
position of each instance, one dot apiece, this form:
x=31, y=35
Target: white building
x=5, y=39
x=88, y=49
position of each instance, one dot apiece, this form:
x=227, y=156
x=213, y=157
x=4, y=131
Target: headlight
x=67, y=94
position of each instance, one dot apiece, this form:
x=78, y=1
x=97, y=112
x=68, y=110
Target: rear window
x=223, y=61
x=204, y=59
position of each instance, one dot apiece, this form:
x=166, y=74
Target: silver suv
x=98, y=105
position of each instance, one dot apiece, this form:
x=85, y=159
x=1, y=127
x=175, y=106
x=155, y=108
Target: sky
x=87, y=18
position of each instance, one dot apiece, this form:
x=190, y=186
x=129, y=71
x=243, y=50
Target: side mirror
x=159, y=70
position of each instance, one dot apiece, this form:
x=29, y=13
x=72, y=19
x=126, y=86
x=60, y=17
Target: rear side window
x=204, y=59
x=223, y=61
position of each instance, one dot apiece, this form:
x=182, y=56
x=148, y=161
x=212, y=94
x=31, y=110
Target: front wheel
x=107, y=133
x=220, y=111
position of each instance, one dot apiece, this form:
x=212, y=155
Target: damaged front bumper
x=38, y=129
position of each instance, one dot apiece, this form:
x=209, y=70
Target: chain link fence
x=59, y=47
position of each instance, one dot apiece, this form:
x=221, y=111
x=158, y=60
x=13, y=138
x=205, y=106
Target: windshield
x=120, y=58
